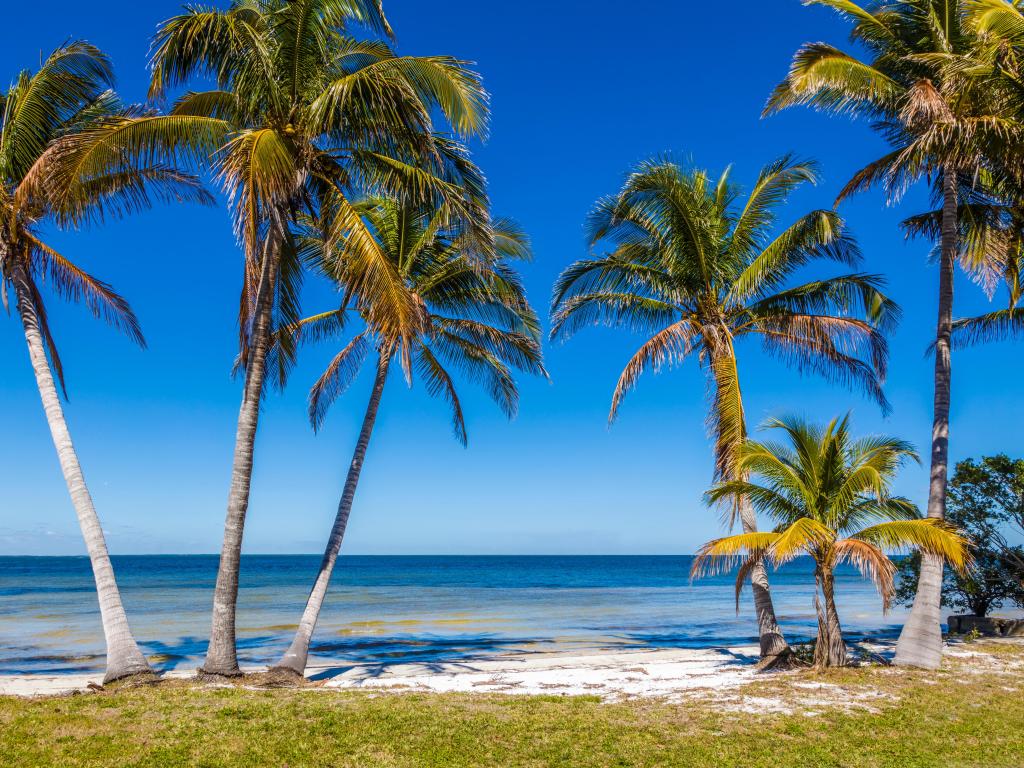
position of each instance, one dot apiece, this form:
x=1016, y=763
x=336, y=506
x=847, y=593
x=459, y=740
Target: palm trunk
x=773, y=645
x=726, y=371
x=294, y=660
x=920, y=643
x=221, y=656
x=830, y=650
x=123, y=655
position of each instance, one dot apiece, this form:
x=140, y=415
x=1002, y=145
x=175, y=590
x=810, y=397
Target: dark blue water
x=389, y=609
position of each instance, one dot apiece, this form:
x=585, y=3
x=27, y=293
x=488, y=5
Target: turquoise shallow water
x=389, y=609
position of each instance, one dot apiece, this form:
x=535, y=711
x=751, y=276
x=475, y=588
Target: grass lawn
x=971, y=713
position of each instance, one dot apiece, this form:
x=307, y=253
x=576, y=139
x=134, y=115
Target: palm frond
x=722, y=555
x=439, y=383
x=804, y=535
x=336, y=378
x=75, y=284
x=929, y=535
x=872, y=563
x=825, y=78
x=1001, y=325
x=669, y=346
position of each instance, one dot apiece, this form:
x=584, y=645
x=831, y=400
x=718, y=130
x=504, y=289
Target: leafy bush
x=986, y=501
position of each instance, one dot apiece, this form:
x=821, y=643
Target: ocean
x=383, y=609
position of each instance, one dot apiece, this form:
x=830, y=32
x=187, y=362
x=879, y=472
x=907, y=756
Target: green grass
x=949, y=718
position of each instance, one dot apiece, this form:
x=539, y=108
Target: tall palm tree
x=473, y=316
x=823, y=489
x=698, y=267
x=43, y=118
x=947, y=119
x=303, y=113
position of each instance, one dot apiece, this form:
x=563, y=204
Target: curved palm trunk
x=221, y=655
x=294, y=660
x=773, y=645
x=920, y=643
x=123, y=655
x=830, y=650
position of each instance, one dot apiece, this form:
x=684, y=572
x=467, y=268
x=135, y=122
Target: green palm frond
x=825, y=78
x=998, y=18
x=95, y=158
x=471, y=315
x=436, y=81
x=227, y=45
x=774, y=185
x=818, y=235
x=40, y=105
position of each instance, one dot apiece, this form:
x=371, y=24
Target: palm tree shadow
x=31, y=660
x=726, y=646
x=374, y=657
x=190, y=649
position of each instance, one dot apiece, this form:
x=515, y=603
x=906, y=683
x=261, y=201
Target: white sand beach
x=664, y=674
x=641, y=673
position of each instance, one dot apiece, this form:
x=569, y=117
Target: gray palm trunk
x=920, y=642
x=221, y=655
x=123, y=655
x=294, y=660
x=772, y=643
x=830, y=649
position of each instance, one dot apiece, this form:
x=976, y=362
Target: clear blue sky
x=580, y=92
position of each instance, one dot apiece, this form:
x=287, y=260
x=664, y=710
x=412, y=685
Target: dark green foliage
x=986, y=501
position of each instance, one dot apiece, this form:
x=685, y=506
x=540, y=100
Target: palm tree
x=947, y=119
x=302, y=114
x=698, y=268
x=473, y=316
x=823, y=489
x=43, y=119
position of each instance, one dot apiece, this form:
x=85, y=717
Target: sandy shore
x=658, y=673
x=643, y=673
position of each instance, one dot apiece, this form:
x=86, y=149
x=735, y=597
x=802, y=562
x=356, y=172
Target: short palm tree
x=302, y=115
x=830, y=495
x=43, y=116
x=473, y=316
x=929, y=86
x=699, y=267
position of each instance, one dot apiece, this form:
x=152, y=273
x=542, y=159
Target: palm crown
x=472, y=315
x=42, y=117
x=929, y=85
x=693, y=262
